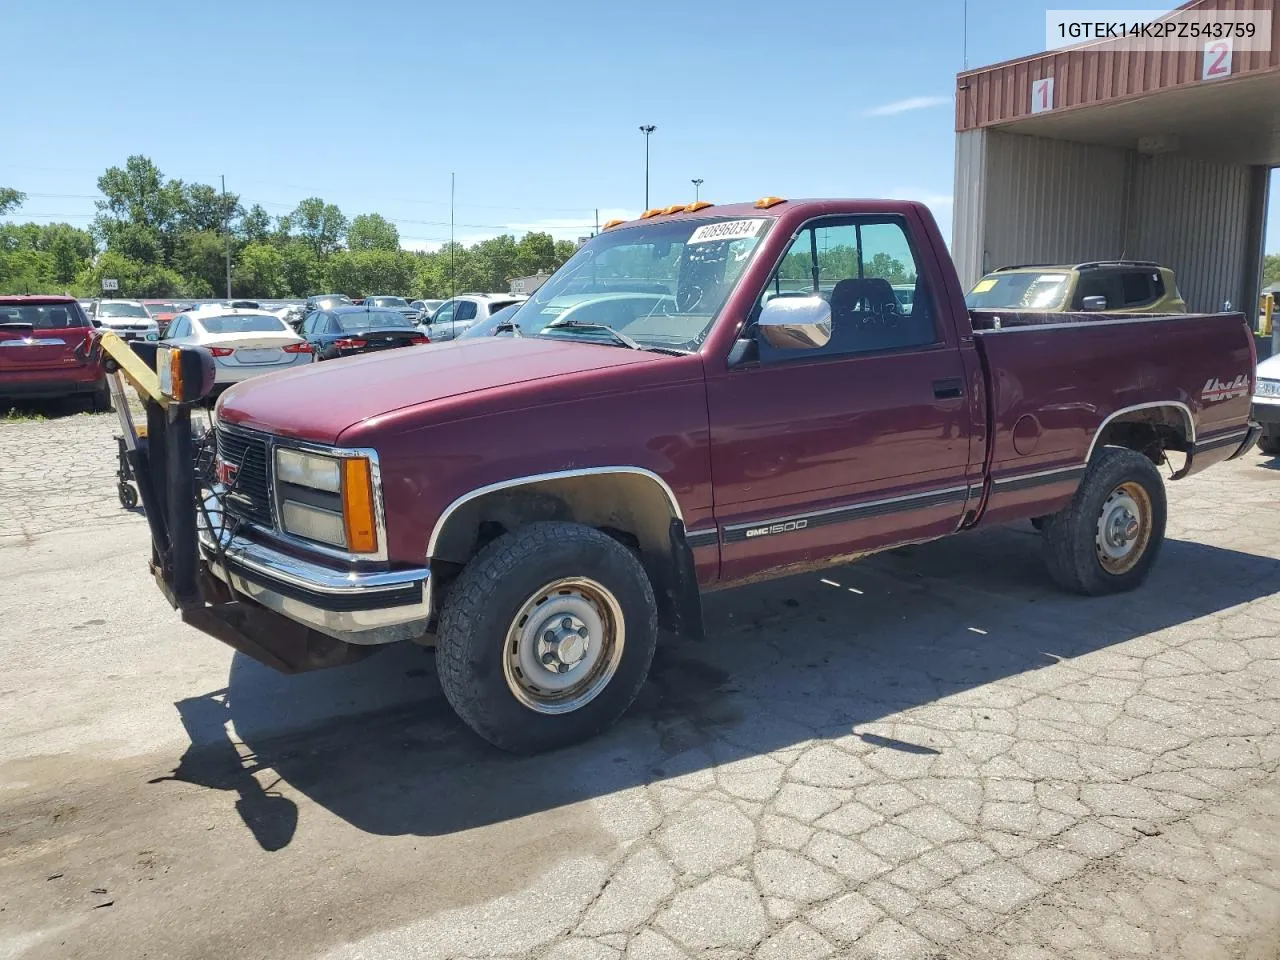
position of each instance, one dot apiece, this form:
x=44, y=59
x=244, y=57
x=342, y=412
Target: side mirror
x=1093, y=304
x=153, y=336
x=796, y=323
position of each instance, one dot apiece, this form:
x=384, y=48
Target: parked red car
x=704, y=397
x=41, y=355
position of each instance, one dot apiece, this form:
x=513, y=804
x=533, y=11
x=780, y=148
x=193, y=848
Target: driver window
x=445, y=313
x=866, y=270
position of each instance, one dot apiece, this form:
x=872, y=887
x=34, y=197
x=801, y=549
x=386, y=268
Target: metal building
x=1090, y=153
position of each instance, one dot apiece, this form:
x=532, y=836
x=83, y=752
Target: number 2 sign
x=1042, y=95
x=1217, y=59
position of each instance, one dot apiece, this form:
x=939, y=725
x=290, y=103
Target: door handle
x=949, y=389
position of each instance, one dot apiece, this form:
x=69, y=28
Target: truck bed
x=1056, y=380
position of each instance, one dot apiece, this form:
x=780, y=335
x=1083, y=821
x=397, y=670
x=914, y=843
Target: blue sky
x=534, y=106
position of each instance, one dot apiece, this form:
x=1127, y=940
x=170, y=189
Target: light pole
x=697, y=188
x=646, y=129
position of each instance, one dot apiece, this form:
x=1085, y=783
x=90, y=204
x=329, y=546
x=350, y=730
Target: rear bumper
x=1267, y=414
x=45, y=384
x=359, y=608
x=225, y=373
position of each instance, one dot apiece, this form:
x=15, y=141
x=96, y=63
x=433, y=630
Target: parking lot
x=930, y=754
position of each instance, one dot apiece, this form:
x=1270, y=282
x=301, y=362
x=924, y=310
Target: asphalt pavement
x=929, y=754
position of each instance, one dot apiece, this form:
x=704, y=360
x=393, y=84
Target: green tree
x=201, y=257
x=534, y=252
x=10, y=199
x=1270, y=269
x=494, y=262
x=259, y=272
x=320, y=224
x=564, y=250
x=137, y=279
x=301, y=269
x=26, y=271
x=371, y=231
x=138, y=195
x=255, y=225
x=359, y=273
x=207, y=208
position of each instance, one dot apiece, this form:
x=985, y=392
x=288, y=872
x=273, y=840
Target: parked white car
x=128, y=319
x=456, y=315
x=1266, y=405
x=244, y=343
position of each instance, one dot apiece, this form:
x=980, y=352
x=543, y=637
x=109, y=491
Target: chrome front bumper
x=361, y=608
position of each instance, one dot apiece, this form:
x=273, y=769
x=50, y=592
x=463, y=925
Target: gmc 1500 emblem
x=789, y=527
x=1215, y=389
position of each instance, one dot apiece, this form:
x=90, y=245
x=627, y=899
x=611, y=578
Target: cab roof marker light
x=698, y=205
x=764, y=203
x=651, y=213
x=611, y=224
x=676, y=208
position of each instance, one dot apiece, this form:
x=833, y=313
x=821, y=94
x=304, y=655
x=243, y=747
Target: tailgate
x=24, y=349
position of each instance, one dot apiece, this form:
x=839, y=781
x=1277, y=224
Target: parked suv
x=40, y=355
x=1117, y=286
x=128, y=319
x=455, y=316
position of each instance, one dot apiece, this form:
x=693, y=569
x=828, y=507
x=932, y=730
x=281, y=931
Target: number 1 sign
x=1042, y=95
x=1217, y=59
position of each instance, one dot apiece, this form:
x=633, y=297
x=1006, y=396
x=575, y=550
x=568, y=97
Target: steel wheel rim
x=564, y=645
x=1124, y=528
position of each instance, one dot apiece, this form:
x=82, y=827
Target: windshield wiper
x=620, y=338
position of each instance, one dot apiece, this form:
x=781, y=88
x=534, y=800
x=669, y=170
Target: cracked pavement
x=929, y=754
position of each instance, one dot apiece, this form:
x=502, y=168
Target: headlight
x=328, y=499
x=309, y=470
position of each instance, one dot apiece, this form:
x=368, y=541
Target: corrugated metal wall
x=1038, y=200
x=1034, y=200
x=968, y=220
x=1194, y=217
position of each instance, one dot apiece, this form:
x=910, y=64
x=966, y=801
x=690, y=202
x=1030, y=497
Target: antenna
x=965, y=35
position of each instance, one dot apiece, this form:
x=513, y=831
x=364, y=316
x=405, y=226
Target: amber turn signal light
x=357, y=505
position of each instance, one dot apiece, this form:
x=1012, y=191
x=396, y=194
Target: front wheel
x=546, y=637
x=1106, y=540
x=1269, y=443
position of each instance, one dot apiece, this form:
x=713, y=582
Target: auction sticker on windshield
x=726, y=230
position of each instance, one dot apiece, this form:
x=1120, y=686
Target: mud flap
x=683, y=606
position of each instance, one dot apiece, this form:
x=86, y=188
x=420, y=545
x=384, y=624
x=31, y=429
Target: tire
x=493, y=623
x=128, y=496
x=1269, y=443
x=100, y=399
x=1079, y=550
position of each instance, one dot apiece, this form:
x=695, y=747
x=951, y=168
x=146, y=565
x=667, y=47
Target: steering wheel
x=688, y=297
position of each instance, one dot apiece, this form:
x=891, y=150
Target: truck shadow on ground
x=815, y=656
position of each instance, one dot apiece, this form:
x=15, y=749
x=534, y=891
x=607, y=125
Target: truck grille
x=250, y=456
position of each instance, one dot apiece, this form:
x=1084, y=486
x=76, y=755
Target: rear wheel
x=100, y=399
x=1269, y=443
x=1106, y=540
x=546, y=637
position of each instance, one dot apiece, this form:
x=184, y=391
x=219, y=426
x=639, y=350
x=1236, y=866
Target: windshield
x=372, y=320
x=49, y=316
x=486, y=328
x=1019, y=291
x=123, y=310
x=251, y=323
x=661, y=283
x=387, y=302
x=154, y=308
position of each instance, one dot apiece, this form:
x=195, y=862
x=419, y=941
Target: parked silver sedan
x=244, y=343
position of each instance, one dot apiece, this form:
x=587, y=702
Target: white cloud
x=906, y=105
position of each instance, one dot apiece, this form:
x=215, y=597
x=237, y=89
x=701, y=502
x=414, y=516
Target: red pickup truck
x=703, y=397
